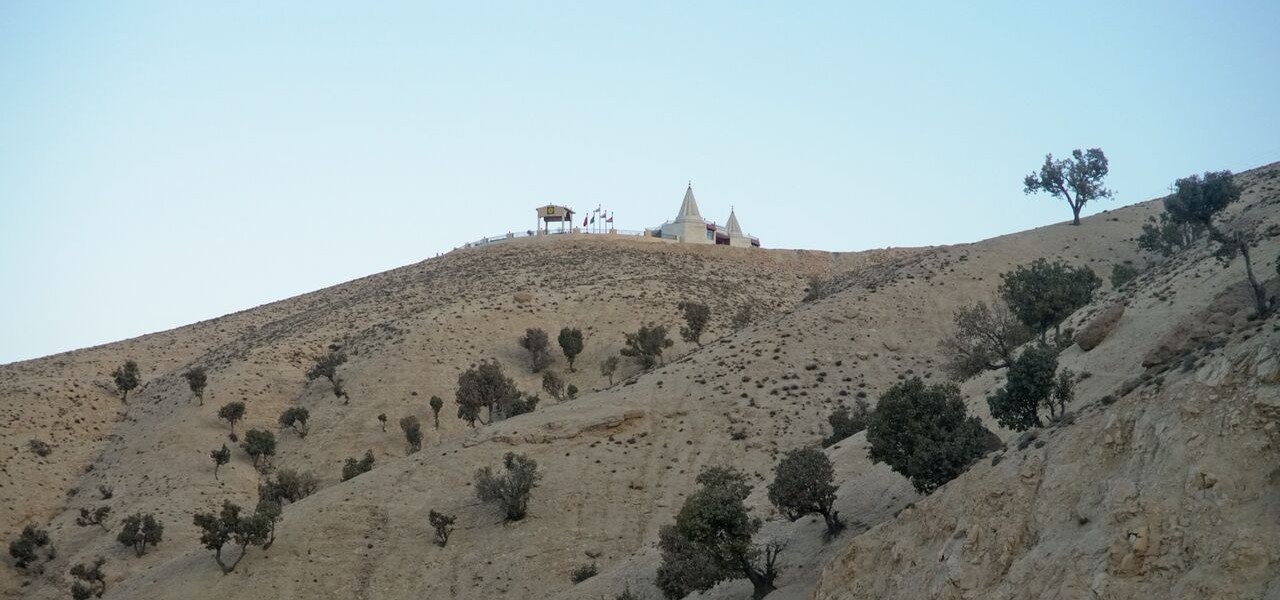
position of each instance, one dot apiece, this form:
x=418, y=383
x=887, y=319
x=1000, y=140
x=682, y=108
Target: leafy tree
x=1043, y=294
x=230, y=526
x=90, y=580
x=26, y=549
x=139, y=530
x=382, y=418
x=845, y=422
x=984, y=338
x=535, y=340
x=925, y=433
x=571, y=344
x=197, y=379
x=231, y=412
x=1077, y=180
x=268, y=512
x=353, y=467
x=126, y=378
x=295, y=418
x=525, y=403
x=97, y=516
x=647, y=344
x=220, y=457
x=553, y=384
x=696, y=318
x=1029, y=384
x=1166, y=236
x=443, y=524
x=1198, y=201
x=1122, y=274
x=437, y=403
x=412, y=429
x=571, y=392
x=710, y=541
x=259, y=445
x=326, y=366
x=288, y=486
x=1064, y=391
x=802, y=485
x=509, y=490
x=608, y=367
x=484, y=386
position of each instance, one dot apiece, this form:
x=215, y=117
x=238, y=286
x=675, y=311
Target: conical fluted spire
x=734, y=228
x=689, y=208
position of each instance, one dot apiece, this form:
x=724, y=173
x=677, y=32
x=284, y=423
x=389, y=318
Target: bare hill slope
x=618, y=461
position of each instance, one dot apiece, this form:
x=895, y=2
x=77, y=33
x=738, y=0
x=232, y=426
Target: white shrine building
x=690, y=228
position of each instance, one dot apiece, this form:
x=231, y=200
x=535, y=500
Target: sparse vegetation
x=744, y=316
x=484, y=386
x=260, y=445
x=326, y=366
x=232, y=412
x=230, y=526
x=26, y=549
x=582, y=573
x=139, y=530
x=1197, y=201
x=608, y=367
x=90, y=580
x=536, y=342
x=510, y=490
x=382, y=418
x=41, y=448
x=646, y=345
x=711, y=542
x=220, y=457
x=845, y=422
x=268, y=512
x=97, y=516
x=925, y=433
x=1077, y=180
x=553, y=384
x=696, y=318
x=803, y=484
x=1043, y=294
x=819, y=288
x=1167, y=237
x=1029, y=384
x=295, y=418
x=288, y=485
x=443, y=526
x=353, y=468
x=1122, y=274
x=197, y=379
x=571, y=344
x=412, y=429
x=985, y=338
x=126, y=378
x=437, y=403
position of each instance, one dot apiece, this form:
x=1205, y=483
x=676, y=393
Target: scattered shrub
x=289, y=485
x=1029, y=384
x=803, y=485
x=139, y=531
x=295, y=418
x=230, y=526
x=41, y=448
x=412, y=429
x=1166, y=236
x=97, y=516
x=984, y=338
x=126, y=378
x=571, y=392
x=326, y=366
x=90, y=580
x=197, y=379
x=509, y=490
x=436, y=404
x=232, y=412
x=1122, y=274
x=608, y=367
x=484, y=386
x=353, y=467
x=925, y=433
x=26, y=549
x=443, y=526
x=571, y=344
x=582, y=573
x=220, y=457
x=553, y=384
x=696, y=318
x=845, y=422
x=259, y=445
x=1042, y=294
x=646, y=345
x=536, y=342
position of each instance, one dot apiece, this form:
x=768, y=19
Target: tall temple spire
x=732, y=226
x=689, y=208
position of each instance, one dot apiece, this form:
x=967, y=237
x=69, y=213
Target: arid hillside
x=1108, y=505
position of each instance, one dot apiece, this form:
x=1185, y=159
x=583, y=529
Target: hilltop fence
x=515, y=235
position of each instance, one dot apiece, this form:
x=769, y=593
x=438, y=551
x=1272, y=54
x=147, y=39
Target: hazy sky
x=166, y=162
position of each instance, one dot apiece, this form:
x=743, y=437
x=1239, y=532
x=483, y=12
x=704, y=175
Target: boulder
x=1097, y=330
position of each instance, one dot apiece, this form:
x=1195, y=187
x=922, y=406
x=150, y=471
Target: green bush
x=510, y=490
x=925, y=433
x=803, y=485
x=139, y=531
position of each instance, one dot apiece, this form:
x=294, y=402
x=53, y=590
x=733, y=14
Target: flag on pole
x=610, y=219
x=584, y=220
x=593, y=219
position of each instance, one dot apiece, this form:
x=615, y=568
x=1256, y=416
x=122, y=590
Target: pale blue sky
x=166, y=162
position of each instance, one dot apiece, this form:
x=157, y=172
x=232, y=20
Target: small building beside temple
x=690, y=228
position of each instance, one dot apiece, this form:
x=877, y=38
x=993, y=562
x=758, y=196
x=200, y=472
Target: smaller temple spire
x=732, y=226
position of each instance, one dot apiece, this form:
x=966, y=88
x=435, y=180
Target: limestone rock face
x=1097, y=330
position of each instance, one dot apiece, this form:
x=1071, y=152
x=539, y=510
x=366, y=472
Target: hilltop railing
x=498, y=239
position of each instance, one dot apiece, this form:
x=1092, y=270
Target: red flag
x=584, y=221
x=610, y=219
